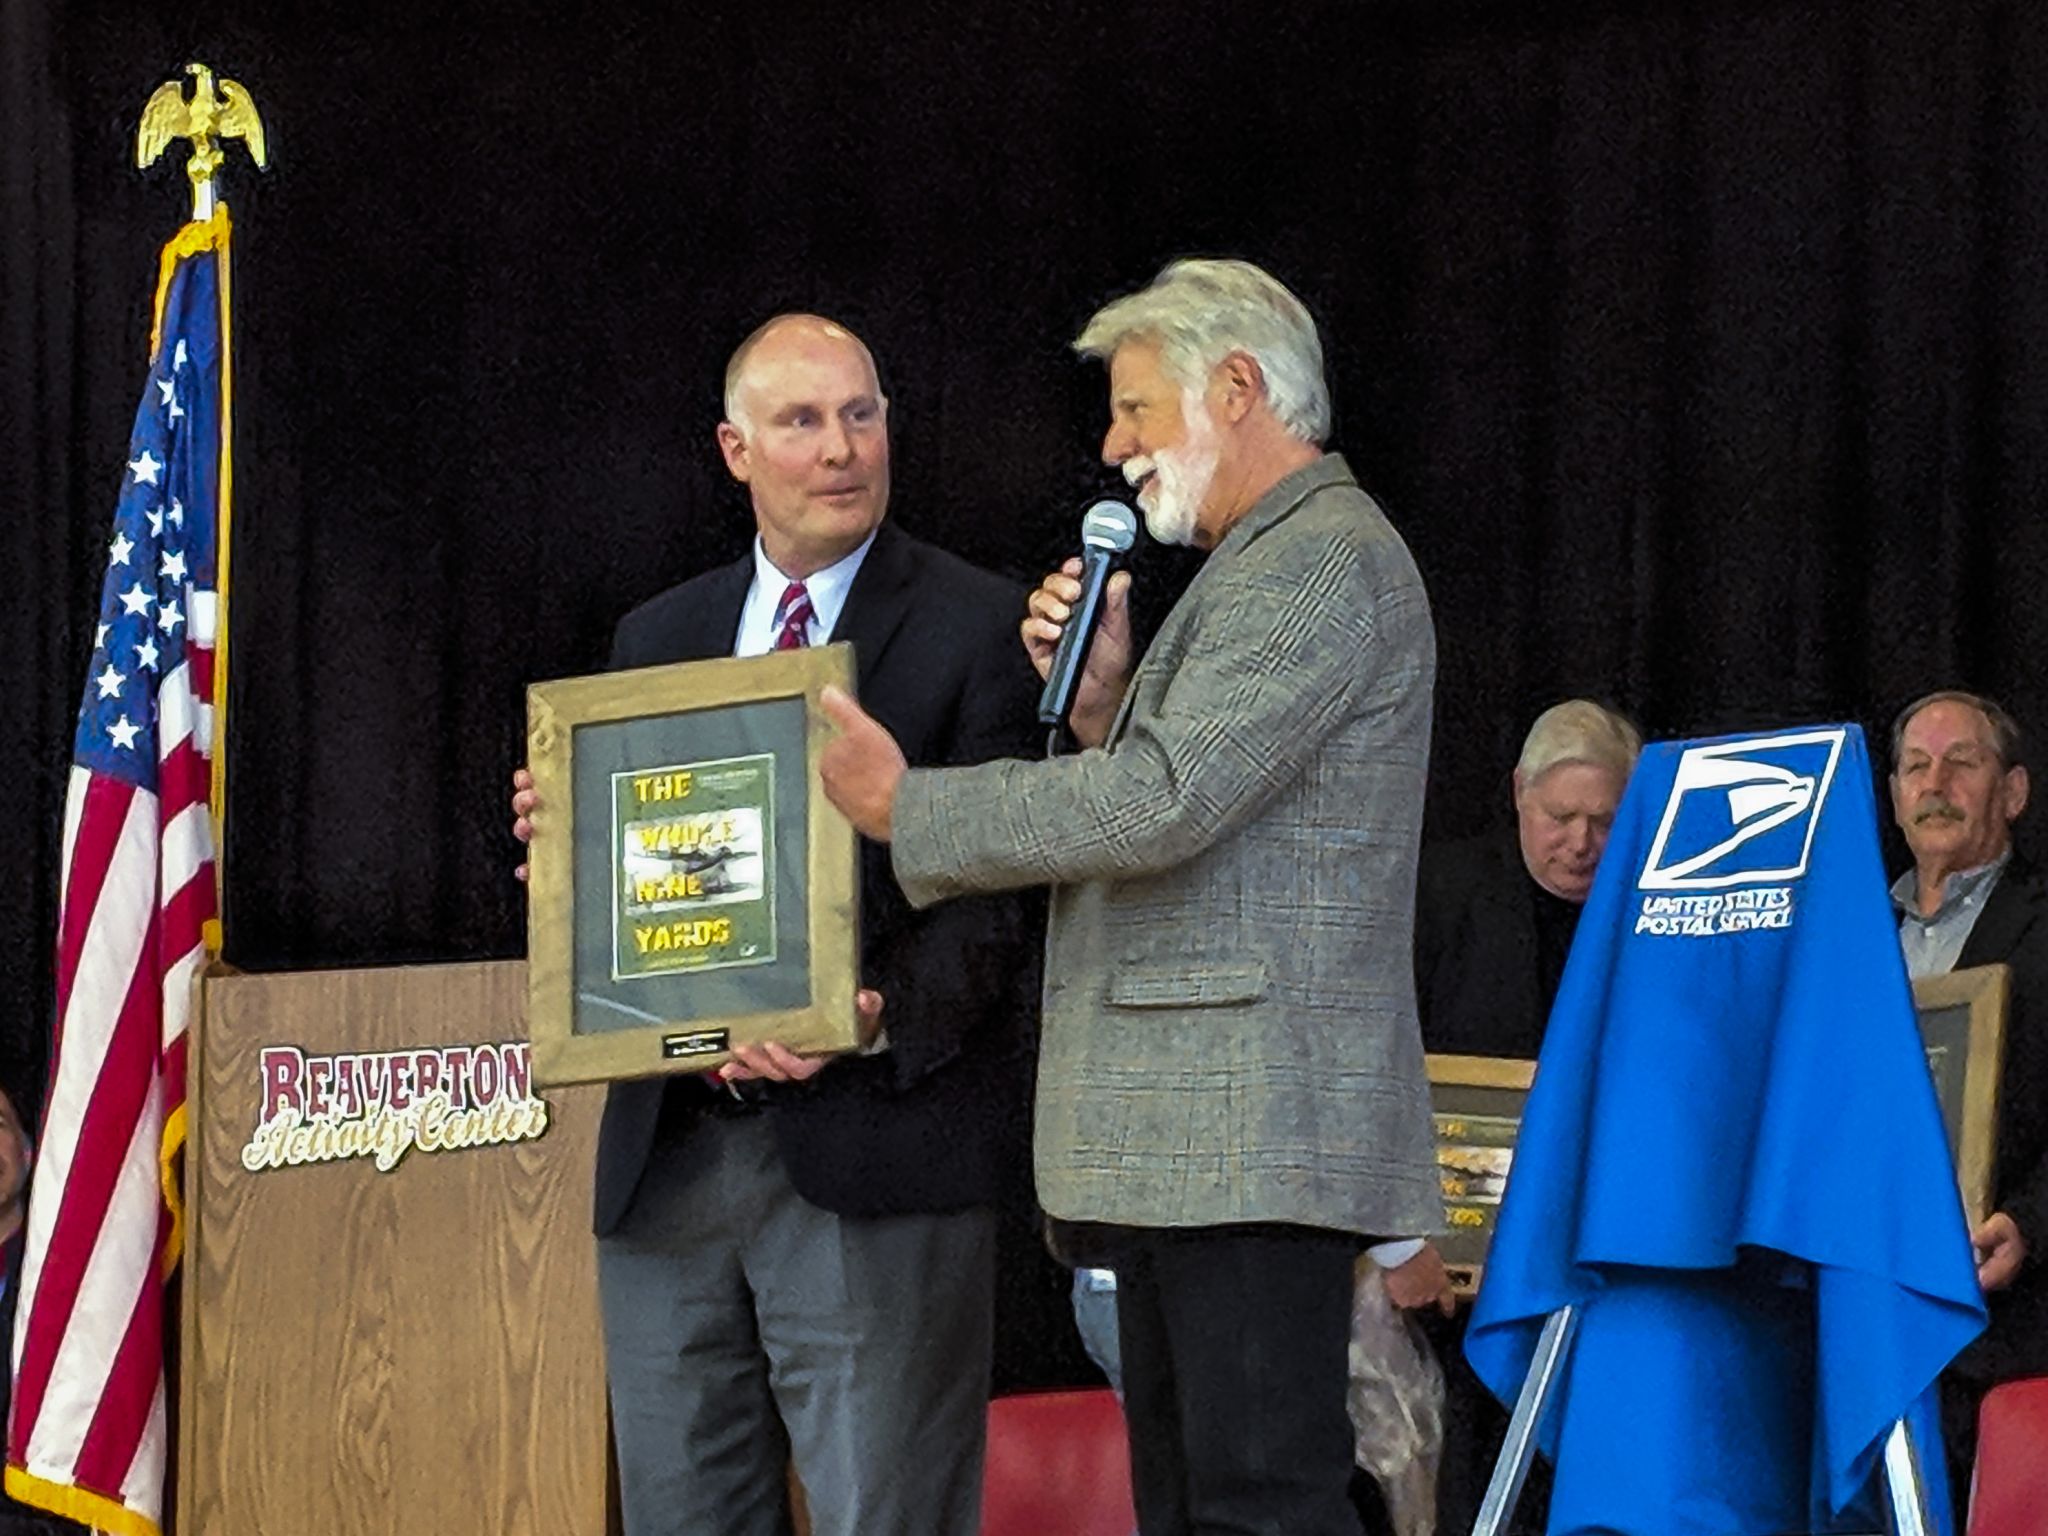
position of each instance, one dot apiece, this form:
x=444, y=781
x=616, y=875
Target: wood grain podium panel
x=412, y=1352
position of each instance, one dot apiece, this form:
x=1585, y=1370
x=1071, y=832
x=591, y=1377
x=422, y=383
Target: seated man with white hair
x=1494, y=920
x=1495, y=915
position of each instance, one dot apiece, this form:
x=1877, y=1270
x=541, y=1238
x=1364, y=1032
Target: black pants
x=1235, y=1354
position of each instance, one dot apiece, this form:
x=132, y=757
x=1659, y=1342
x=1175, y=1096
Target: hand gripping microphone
x=1108, y=529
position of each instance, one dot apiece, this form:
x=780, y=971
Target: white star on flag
x=122, y=548
x=145, y=653
x=110, y=682
x=144, y=469
x=176, y=516
x=168, y=618
x=137, y=599
x=155, y=515
x=178, y=355
x=124, y=734
x=174, y=565
x=99, y=636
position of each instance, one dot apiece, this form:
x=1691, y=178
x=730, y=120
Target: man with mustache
x=1231, y=1098
x=799, y=1263
x=1957, y=787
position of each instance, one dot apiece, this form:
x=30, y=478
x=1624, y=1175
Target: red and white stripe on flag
x=88, y=1433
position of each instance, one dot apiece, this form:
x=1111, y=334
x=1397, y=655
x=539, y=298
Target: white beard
x=1173, y=501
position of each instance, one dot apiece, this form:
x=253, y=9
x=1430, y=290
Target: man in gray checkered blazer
x=1231, y=1090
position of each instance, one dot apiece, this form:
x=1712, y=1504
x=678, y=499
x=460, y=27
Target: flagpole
x=217, y=793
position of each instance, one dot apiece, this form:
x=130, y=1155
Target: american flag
x=87, y=1436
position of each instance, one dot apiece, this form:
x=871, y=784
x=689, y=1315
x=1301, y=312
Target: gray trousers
x=744, y=1326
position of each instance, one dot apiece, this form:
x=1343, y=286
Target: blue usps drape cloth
x=1733, y=1164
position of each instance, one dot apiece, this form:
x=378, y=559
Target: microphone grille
x=1109, y=524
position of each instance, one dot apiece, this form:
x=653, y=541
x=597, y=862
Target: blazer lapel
x=1167, y=635
x=709, y=627
x=2008, y=912
x=1123, y=708
x=876, y=602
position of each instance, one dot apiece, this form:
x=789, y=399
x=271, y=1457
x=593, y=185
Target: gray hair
x=1200, y=311
x=1579, y=731
x=2005, y=731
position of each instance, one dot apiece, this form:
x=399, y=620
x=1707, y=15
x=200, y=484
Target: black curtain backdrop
x=1696, y=349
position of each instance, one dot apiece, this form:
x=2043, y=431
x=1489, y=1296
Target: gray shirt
x=1932, y=944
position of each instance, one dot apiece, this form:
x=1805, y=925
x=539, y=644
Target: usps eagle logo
x=1743, y=812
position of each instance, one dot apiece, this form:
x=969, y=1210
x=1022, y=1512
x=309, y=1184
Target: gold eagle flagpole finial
x=204, y=118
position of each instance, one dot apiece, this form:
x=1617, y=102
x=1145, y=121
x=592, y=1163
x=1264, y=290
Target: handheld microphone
x=1108, y=529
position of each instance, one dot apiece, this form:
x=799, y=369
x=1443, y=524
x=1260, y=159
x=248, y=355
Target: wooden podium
x=390, y=1305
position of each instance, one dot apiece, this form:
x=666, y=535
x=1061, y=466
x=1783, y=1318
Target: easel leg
x=1511, y=1467
x=1911, y=1515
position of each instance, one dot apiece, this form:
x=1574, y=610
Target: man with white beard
x=1231, y=1098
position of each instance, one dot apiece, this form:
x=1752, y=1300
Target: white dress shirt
x=761, y=613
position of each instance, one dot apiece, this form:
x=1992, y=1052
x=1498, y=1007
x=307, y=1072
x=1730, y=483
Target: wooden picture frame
x=1962, y=1027
x=689, y=886
x=1476, y=1102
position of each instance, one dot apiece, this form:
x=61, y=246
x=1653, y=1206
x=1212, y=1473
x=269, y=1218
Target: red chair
x=2012, y=1461
x=1059, y=1464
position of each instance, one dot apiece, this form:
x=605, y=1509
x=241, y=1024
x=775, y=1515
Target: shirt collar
x=1959, y=888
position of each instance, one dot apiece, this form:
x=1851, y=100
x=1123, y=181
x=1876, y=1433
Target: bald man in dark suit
x=800, y=1263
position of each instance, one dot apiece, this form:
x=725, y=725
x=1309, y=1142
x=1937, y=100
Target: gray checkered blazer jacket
x=1229, y=1028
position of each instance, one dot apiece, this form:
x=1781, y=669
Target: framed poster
x=690, y=887
x=1477, y=1103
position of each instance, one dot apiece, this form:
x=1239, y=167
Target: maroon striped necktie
x=795, y=609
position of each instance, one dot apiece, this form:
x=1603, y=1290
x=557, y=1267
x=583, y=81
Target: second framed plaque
x=1477, y=1104
x=1962, y=1027
x=691, y=889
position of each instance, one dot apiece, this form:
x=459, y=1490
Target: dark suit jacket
x=2013, y=928
x=938, y=1121
x=1478, y=978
